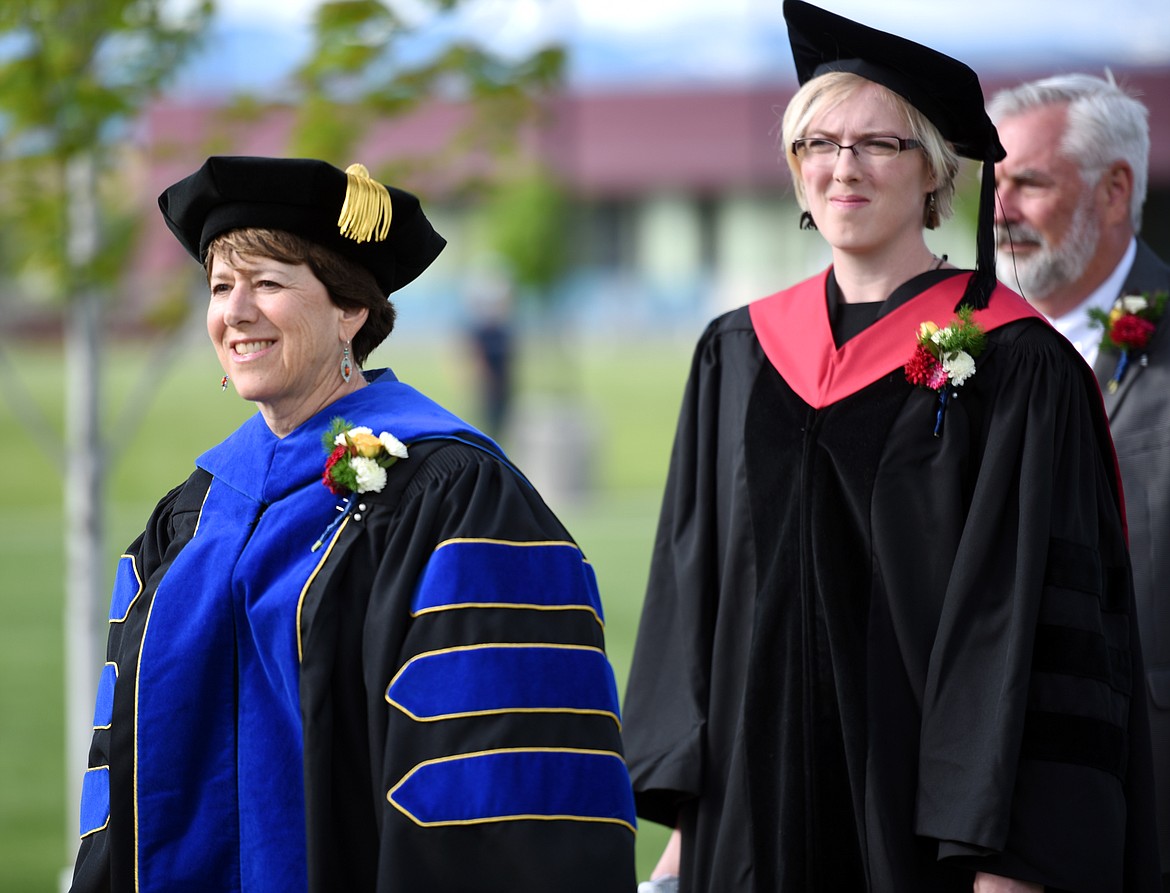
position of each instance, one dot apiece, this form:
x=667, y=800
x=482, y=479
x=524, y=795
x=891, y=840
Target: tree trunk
x=85, y=583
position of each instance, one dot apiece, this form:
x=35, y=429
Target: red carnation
x=1131, y=332
x=336, y=456
x=924, y=369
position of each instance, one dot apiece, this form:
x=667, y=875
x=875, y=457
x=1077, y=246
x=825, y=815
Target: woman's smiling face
x=278, y=336
x=864, y=204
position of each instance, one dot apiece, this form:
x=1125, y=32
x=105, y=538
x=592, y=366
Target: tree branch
x=28, y=412
x=134, y=410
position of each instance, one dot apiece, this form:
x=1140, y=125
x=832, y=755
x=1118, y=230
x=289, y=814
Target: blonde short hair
x=827, y=91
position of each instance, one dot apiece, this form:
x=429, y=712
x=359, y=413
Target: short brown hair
x=349, y=285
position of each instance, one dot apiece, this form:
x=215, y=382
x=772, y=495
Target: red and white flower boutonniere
x=356, y=464
x=1128, y=327
x=945, y=358
x=358, y=460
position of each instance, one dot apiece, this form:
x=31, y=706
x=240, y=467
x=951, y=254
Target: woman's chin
x=250, y=390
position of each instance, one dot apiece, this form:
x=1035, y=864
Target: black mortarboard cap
x=377, y=226
x=945, y=90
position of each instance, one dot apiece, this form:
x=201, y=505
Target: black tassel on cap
x=982, y=284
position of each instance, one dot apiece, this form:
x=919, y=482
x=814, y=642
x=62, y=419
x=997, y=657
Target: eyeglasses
x=819, y=150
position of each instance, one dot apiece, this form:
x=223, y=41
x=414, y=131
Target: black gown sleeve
x=461, y=719
x=105, y=859
x=680, y=701
x=672, y=643
x=1033, y=748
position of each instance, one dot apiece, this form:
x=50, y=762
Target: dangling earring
x=223, y=384
x=806, y=221
x=931, y=211
x=346, y=365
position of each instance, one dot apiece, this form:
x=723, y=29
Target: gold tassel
x=365, y=215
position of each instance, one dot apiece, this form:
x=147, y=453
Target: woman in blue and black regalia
x=354, y=650
x=888, y=642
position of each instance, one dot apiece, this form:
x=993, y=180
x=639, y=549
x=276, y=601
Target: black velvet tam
x=392, y=237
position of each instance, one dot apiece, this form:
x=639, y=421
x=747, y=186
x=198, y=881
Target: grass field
x=628, y=391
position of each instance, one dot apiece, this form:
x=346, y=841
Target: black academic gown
x=442, y=716
x=876, y=659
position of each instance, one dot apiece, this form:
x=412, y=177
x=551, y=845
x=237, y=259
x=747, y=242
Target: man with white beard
x=1070, y=196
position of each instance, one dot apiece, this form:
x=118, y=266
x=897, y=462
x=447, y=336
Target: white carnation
x=370, y=475
x=393, y=445
x=1134, y=303
x=959, y=366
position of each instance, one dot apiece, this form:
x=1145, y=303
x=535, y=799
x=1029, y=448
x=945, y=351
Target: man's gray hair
x=1105, y=124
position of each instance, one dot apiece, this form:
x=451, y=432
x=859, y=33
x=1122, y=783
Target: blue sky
x=624, y=42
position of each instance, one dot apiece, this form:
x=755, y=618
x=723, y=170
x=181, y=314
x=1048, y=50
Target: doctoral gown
x=877, y=657
x=407, y=691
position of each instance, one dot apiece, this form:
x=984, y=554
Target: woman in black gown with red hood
x=888, y=642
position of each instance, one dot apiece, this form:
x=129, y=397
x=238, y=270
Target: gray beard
x=1051, y=267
